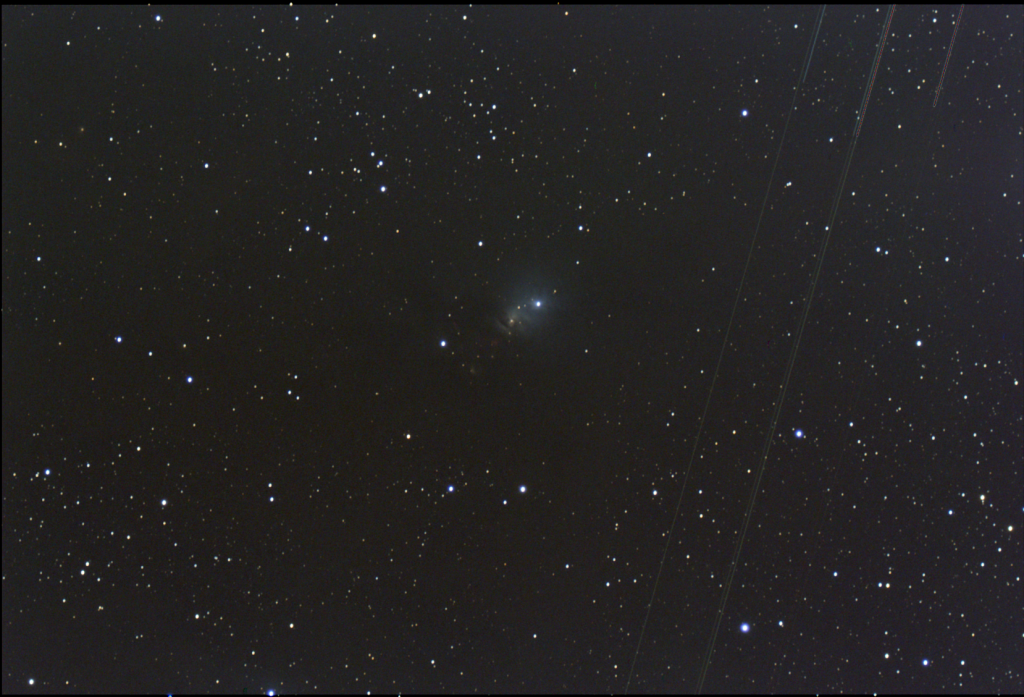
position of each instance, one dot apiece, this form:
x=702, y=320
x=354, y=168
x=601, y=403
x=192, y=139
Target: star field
x=513, y=349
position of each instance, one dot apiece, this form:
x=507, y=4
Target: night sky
x=513, y=350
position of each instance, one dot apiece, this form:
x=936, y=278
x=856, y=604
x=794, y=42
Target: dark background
x=236, y=454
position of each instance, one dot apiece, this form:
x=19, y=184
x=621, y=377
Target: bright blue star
x=744, y=113
x=798, y=433
x=744, y=627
